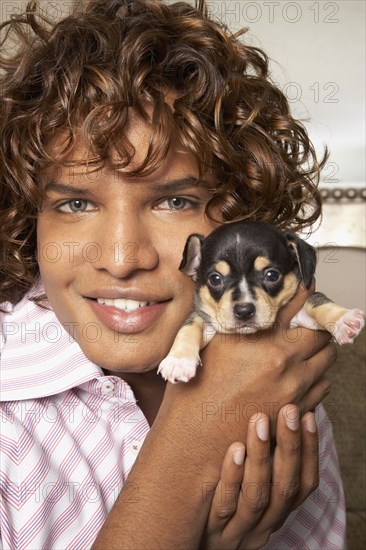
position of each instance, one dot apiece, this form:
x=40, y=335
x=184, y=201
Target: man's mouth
x=125, y=315
x=124, y=304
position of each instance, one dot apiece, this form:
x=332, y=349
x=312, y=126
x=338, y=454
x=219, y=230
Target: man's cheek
x=64, y=254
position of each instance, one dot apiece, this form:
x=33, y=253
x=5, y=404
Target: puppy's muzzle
x=244, y=312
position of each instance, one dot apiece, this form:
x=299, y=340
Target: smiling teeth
x=125, y=305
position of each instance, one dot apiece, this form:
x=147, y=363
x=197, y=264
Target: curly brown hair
x=82, y=73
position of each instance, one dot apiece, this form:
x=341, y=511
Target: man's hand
x=254, y=496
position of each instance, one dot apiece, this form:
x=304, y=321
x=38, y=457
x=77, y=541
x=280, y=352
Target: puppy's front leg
x=181, y=363
x=320, y=312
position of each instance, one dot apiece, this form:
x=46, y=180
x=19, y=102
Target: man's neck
x=148, y=388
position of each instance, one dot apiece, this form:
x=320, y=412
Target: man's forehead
x=137, y=129
x=135, y=137
x=81, y=160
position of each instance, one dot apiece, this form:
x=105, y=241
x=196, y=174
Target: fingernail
x=238, y=455
x=310, y=424
x=262, y=428
x=292, y=418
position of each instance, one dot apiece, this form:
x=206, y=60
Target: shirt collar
x=38, y=357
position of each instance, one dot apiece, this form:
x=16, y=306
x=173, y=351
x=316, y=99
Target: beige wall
x=341, y=275
x=340, y=243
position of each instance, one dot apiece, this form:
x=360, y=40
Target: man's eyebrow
x=67, y=189
x=173, y=186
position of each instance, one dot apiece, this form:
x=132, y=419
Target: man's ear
x=192, y=255
x=305, y=255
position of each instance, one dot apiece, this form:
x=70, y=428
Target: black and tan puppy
x=244, y=273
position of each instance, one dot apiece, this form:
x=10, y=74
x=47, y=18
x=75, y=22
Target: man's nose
x=125, y=245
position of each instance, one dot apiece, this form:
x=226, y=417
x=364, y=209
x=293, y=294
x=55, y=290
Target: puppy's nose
x=244, y=312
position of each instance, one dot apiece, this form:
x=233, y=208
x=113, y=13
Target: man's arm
x=164, y=503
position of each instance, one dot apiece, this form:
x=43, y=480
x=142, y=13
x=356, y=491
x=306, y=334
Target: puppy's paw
x=178, y=369
x=349, y=326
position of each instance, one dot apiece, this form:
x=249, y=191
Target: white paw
x=178, y=369
x=349, y=326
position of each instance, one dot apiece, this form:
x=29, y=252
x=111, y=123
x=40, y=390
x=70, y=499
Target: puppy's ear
x=305, y=256
x=192, y=255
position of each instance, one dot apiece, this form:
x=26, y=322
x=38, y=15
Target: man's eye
x=75, y=205
x=175, y=203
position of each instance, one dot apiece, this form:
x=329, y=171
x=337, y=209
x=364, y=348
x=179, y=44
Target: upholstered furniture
x=346, y=405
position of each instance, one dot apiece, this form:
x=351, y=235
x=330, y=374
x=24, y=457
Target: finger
x=309, y=472
x=225, y=499
x=254, y=495
x=306, y=342
x=322, y=341
x=317, y=366
x=314, y=368
x=315, y=395
x=286, y=467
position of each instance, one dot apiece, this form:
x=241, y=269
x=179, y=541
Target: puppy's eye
x=271, y=276
x=215, y=279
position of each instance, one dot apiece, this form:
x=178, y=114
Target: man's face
x=109, y=249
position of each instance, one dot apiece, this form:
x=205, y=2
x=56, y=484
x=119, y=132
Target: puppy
x=245, y=272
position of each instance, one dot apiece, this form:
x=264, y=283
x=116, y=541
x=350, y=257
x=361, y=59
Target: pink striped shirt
x=70, y=435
